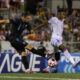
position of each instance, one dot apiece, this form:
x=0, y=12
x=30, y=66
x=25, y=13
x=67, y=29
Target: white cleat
x=29, y=71
x=75, y=63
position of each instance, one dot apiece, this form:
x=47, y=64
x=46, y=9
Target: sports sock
x=68, y=56
x=25, y=62
x=38, y=52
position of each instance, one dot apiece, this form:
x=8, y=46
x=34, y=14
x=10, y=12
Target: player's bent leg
x=62, y=47
x=67, y=54
x=34, y=51
x=29, y=47
x=26, y=64
x=24, y=60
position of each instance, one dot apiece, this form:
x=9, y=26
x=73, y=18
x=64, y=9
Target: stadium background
x=39, y=10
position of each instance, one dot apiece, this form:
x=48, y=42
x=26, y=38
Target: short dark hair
x=41, y=42
x=61, y=10
x=26, y=14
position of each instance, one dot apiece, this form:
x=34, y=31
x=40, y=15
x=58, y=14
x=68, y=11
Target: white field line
x=36, y=78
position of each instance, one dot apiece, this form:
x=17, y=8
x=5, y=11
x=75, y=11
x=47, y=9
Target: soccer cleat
x=49, y=56
x=29, y=71
x=46, y=69
x=50, y=69
x=75, y=63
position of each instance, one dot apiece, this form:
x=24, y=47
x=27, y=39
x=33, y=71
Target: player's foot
x=49, y=56
x=29, y=71
x=50, y=69
x=75, y=64
x=46, y=69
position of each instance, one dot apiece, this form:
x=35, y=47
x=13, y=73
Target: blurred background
x=40, y=10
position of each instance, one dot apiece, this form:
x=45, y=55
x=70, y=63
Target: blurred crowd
x=71, y=24
x=4, y=4
x=7, y=3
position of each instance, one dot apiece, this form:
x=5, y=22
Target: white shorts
x=56, y=41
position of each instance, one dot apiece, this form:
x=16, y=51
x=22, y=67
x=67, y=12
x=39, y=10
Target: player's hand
x=46, y=22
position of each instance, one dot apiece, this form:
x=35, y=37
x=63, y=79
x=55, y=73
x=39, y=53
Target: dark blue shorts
x=18, y=44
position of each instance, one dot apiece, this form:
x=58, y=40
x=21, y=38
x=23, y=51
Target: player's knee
x=28, y=46
x=23, y=54
x=62, y=47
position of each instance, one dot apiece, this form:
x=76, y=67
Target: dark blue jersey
x=17, y=26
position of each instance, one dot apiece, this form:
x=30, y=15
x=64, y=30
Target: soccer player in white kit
x=56, y=37
x=56, y=25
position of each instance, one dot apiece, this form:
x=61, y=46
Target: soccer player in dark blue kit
x=15, y=38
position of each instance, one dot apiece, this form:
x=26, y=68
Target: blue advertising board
x=66, y=67
x=11, y=63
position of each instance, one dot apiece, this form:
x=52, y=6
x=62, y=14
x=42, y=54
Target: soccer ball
x=52, y=62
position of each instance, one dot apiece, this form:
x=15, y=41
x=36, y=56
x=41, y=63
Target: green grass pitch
x=40, y=76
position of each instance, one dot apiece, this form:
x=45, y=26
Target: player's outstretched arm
x=5, y=21
x=41, y=25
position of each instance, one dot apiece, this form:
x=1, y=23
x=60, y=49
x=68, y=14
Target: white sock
x=68, y=56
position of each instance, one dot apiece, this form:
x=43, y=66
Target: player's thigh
x=19, y=45
x=56, y=41
x=19, y=49
x=20, y=42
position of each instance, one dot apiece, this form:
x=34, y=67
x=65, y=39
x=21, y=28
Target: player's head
x=41, y=43
x=27, y=18
x=51, y=15
x=60, y=15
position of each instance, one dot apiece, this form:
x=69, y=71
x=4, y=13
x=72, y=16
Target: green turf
x=42, y=75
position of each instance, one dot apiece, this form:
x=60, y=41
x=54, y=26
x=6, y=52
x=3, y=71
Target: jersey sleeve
x=29, y=27
x=15, y=20
x=11, y=20
x=53, y=20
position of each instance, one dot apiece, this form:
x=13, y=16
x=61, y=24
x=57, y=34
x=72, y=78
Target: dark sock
x=57, y=56
x=38, y=52
x=25, y=62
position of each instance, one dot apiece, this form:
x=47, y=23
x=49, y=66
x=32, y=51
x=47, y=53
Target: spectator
x=69, y=3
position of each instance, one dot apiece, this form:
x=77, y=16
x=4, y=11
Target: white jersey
x=56, y=26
